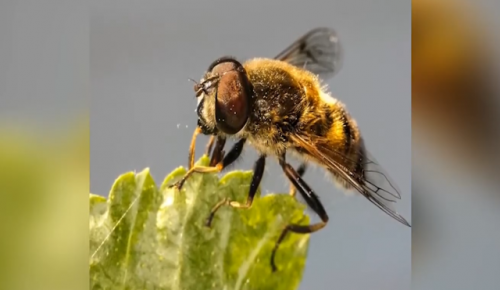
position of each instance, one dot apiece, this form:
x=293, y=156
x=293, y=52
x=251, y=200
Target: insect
x=279, y=106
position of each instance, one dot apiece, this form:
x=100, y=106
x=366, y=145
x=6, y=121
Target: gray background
x=142, y=108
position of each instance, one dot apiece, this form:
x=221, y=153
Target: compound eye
x=232, y=101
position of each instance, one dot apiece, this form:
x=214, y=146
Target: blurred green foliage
x=44, y=185
x=145, y=237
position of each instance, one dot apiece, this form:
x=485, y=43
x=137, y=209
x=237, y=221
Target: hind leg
x=312, y=201
x=300, y=171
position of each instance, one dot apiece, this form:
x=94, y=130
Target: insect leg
x=218, y=153
x=210, y=144
x=311, y=199
x=231, y=156
x=259, y=166
x=192, y=147
x=300, y=171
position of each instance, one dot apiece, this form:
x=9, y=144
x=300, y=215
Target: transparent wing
x=318, y=51
x=370, y=179
x=377, y=180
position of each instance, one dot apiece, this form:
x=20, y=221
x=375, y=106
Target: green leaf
x=145, y=238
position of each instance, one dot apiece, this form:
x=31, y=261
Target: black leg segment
x=234, y=153
x=259, y=166
x=301, y=170
x=218, y=152
x=311, y=199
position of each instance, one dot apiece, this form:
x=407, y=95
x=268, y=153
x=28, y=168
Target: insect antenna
x=190, y=79
x=197, y=87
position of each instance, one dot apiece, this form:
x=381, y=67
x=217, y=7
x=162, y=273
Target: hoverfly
x=279, y=106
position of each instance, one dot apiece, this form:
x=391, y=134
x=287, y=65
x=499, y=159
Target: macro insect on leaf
x=280, y=107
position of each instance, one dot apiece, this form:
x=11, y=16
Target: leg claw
x=273, y=267
x=178, y=185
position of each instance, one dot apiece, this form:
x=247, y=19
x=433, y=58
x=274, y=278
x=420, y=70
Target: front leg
x=192, y=147
x=210, y=144
x=231, y=156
